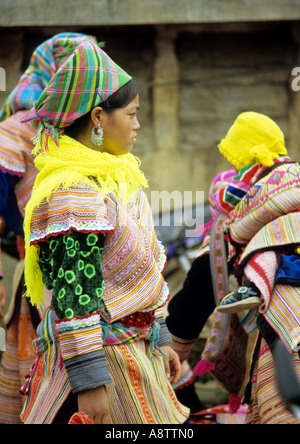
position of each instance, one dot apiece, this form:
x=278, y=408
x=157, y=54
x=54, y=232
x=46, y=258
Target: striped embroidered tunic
x=105, y=325
x=132, y=258
x=103, y=262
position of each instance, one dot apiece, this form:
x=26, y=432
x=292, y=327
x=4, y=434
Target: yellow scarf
x=66, y=165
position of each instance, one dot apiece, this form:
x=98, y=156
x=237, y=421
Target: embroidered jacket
x=103, y=262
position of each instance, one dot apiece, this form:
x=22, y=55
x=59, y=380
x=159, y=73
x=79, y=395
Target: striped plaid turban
x=44, y=62
x=88, y=78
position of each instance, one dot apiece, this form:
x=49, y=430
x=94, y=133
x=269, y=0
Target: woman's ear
x=96, y=115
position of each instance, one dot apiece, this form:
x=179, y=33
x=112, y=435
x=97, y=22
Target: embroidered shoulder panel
x=80, y=208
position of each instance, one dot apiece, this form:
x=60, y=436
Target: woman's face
x=120, y=128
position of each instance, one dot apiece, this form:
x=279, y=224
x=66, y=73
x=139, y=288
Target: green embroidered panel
x=71, y=266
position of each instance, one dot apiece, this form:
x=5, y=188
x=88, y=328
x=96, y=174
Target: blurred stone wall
x=194, y=79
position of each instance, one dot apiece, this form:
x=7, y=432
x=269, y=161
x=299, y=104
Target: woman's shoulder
x=78, y=207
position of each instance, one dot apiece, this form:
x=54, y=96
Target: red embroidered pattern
x=135, y=382
x=138, y=319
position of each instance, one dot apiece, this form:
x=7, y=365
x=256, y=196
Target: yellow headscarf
x=253, y=138
x=66, y=165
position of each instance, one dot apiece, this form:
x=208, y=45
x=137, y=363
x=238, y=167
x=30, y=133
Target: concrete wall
x=137, y=12
x=194, y=78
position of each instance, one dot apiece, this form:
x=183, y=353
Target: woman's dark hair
x=121, y=98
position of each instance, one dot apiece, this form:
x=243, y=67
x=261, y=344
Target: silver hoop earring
x=97, y=135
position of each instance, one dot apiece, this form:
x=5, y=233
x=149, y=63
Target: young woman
x=103, y=345
x=17, y=175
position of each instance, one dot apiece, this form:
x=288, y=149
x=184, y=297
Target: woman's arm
x=71, y=265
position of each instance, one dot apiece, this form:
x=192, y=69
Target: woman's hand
x=2, y=299
x=172, y=364
x=94, y=403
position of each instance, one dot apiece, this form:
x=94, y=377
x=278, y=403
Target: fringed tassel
x=203, y=367
x=24, y=390
x=37, y=139
x=33, y=277
x=43, y=132
x=234, y=402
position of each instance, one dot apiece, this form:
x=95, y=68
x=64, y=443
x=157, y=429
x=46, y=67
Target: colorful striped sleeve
x=16, y=145
x=78, y=208
x=164, y=334
x=71, y=266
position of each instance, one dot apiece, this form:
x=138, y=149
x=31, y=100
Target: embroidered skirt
x=140, y=392
x=15, y=364
x=266, y=405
